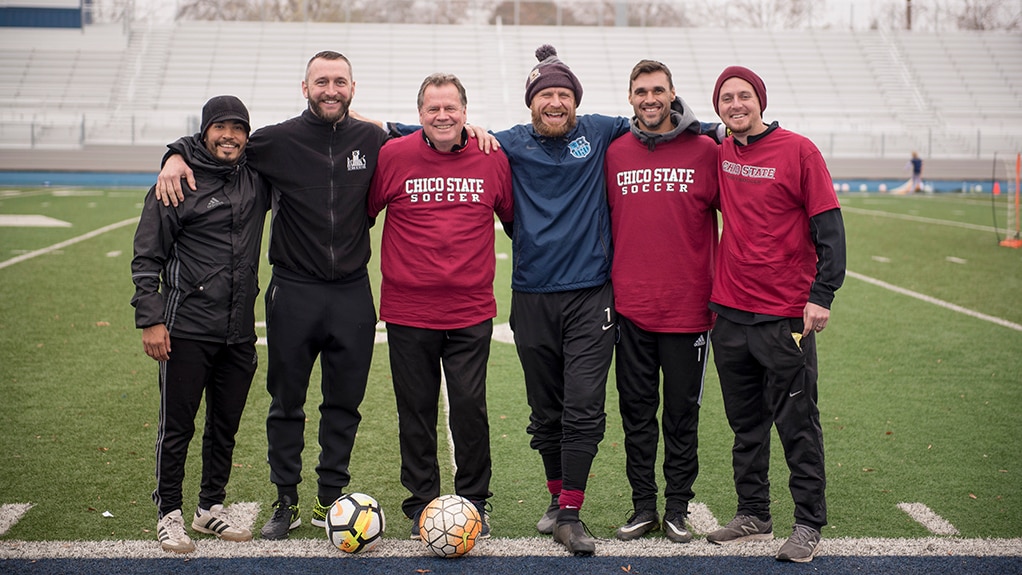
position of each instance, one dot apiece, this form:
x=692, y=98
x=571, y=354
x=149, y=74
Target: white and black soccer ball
x=355, y=523
x=449, y=526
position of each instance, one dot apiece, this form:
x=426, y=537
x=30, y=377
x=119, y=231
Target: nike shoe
x=575, y=537
x=286, y=516
x=319, y=512
x=674, y=527
x=547, y=523
x=484, y=518
x=642, y=522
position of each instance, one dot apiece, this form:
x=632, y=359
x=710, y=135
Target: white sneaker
x=170, y=530
x=216, y=522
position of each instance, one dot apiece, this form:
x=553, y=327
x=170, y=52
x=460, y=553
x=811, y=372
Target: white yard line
x=935, y=301
x=500, y=547
x=10, y=514
x=921, y=219
x=924, y=516
x=66, y=243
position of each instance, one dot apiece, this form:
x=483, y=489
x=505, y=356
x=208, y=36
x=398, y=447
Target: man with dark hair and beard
x=319, y=301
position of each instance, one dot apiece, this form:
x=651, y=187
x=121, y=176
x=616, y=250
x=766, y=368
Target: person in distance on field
x=662, y=191
x=195, y=273
x=436, y=296
x=781, y=258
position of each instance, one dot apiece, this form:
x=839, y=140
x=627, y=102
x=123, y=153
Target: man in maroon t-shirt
x=662, y=191
x=437, y=292
x=781, y=258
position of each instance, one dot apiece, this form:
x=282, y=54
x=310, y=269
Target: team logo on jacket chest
x=357, y=161
x=580, y=147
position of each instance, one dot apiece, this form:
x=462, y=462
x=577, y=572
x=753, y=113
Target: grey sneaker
x=319, y=512
x=574, y=536
x=674, y=527
x=286, y=516
x=216, y=522
x=743, y=528
x=170, y=530
x=801, y=546
x=641, y=522
x=547, y=523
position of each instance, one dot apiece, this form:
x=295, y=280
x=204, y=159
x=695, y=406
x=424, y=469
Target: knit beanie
x=221, y=108
x=551, y=72
x=745, y=74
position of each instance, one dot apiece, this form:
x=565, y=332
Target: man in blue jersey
x=562, y=304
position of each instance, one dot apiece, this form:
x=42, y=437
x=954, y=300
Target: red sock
x=554, y=486
x=572, y=499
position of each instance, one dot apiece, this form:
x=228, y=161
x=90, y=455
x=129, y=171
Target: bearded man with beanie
x=562, y=304
x=781, y=258
x=195, y=273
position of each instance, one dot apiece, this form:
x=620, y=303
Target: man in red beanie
x=781, y=258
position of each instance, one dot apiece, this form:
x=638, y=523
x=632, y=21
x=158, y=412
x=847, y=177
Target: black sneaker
x=547, y=523
x=674, y=526
x=484, y=518
x=416, y=534
x=642, y=522
x=574, y=536
x=285, y=518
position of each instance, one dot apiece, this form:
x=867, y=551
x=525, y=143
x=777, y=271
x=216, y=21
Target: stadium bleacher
x=858, y=94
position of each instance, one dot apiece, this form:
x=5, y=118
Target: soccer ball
x=449, y=526
x=355, y=523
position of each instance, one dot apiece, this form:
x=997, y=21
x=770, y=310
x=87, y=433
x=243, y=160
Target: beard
x=332, y=117
x=548, y=131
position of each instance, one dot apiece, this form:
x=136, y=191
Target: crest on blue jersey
x=580, y=148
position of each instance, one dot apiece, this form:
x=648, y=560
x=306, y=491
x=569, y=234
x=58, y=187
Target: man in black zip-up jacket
x=319, y=301
x=195, y=271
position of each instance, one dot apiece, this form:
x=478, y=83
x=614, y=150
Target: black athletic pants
x=641, y=355
x=769, y=379
x=416, y=356
x=565, y=342
x=335, y=321
x=224, y=373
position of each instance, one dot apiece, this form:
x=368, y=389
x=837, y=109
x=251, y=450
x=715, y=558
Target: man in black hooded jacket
x=195, y=273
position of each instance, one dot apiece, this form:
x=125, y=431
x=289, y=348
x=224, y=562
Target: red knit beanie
x=745, y=74
x=551, y=72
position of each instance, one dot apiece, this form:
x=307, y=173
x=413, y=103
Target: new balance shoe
x=547, y=523
x=674, y=527
x=801, y=546
x=319, y=512
x=484, y=517
x=743, y=528
x=216, y=522
x=286, y=516
x=170, y=530
x=641, y=522
x=574, y=536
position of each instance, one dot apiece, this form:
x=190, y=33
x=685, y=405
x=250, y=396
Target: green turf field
x=921, y=397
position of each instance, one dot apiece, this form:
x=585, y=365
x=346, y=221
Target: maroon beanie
x=551, y=72
x=745, y=74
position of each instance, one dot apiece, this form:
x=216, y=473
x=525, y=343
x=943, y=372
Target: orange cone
x=997, y=188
